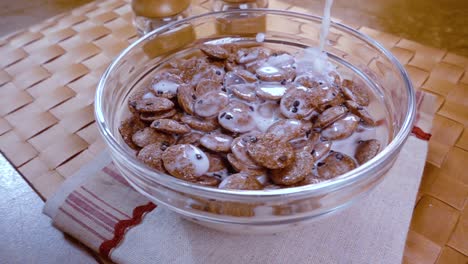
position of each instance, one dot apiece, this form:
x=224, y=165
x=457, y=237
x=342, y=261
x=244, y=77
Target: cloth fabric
x=372, y=230
x=99, y=208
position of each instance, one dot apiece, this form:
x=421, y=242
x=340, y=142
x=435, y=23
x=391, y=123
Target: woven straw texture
x=49, y=72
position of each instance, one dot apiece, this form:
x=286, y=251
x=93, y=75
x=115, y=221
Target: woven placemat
x=49, y=72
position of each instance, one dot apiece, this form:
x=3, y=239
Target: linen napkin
x=99, y=208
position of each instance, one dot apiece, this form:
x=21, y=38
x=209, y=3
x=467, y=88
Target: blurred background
x=438, y=23
x=18, y=14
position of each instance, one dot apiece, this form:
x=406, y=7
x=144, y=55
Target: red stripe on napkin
x=122, y=226
x=419, y=133
x=115, y=175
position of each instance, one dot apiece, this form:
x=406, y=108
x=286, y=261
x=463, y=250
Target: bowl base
x=265, y=229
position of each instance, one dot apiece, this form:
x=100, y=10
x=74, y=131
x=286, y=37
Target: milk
x=325, y=24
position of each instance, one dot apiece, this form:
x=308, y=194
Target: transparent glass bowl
x=266, y=210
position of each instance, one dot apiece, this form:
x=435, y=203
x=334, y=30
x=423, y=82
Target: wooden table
x=48, y=74
x=27, y=235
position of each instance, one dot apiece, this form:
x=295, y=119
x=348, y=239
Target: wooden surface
x=20, y=14
x=49, y=72
x=438, y=23
x=27, y=235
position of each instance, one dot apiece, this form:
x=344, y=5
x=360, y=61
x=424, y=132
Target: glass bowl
x=265, y=211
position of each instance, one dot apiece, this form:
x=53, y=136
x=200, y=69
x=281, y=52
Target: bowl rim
x=354, y=176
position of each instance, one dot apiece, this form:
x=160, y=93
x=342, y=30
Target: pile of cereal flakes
x=247, y=117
